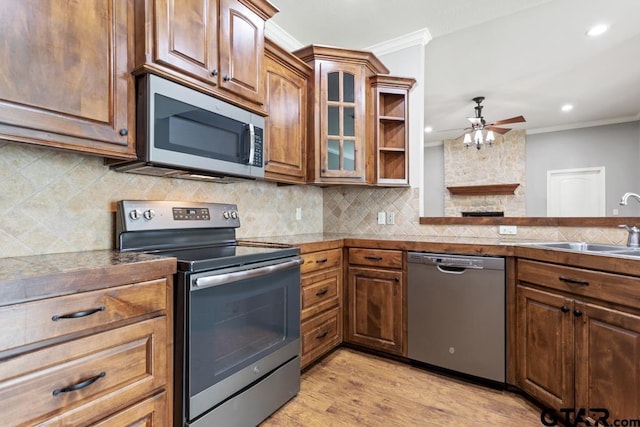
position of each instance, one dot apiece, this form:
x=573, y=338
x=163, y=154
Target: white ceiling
x=527, y=57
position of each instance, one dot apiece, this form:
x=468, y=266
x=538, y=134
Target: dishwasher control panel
x=460, y=261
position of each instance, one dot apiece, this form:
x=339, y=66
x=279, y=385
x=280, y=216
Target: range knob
x=135, y=214
x=234, y=214
x=226, y=215
x=149, y=214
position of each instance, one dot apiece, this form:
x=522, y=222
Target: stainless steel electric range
x=236, y=309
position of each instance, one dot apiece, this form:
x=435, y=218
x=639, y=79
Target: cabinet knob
x=124, y=132
x=577, y=313
x=214, y=73
x=226, y=78
x=564, y=309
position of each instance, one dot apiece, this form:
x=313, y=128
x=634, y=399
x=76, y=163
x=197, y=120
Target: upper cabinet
x=185, y=41
x=390, y=129
x=338, y=113
x=286, y=125
x=65, y=77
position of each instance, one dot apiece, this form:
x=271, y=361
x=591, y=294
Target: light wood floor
x=350, y=388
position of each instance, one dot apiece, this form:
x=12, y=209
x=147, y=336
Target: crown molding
x=582, y=125
x=416, y=38
x=282, y=38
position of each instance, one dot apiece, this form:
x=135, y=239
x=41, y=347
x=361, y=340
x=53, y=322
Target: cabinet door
x=607, y=362
x=374, y=313
x=545, y=347
x=286, y=125
x=187, y=37
x=342, y=121
x=65, y=75
x=241, y=45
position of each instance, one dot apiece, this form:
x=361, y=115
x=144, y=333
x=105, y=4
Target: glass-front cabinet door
x=342, y=121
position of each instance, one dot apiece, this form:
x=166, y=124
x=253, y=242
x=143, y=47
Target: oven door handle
x=222, y=279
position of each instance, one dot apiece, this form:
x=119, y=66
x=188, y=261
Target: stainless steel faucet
x=633, y=241
x=626, y=196
x=634, y=232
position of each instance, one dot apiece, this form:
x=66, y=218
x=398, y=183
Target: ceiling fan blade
x=517, y=119
x=501, y=131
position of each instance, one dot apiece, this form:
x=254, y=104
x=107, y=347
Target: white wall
x=434, y=180
x=615, y=146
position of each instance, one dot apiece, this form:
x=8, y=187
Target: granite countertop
x=33, y=277
x=28, y=278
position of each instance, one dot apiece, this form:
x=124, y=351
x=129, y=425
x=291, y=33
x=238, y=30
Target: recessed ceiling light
x=428, y=129
x=567, y=107
x=596, y=30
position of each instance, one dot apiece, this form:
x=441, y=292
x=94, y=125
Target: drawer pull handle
x=577, y=313
x=571, y=281
x=322, y=335
x=322, y=292
x=80, y=385
x=321, y=261
x=373, y=258
x=564, y=309
x=78, y=314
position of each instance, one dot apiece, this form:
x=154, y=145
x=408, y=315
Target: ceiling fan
x=478, y=125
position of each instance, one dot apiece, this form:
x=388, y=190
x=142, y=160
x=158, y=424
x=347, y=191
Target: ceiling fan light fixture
x=467, y=139
x=490, y=137
x=478, y=137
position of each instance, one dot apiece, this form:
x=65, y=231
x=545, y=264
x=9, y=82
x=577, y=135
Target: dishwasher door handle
x=450, y=269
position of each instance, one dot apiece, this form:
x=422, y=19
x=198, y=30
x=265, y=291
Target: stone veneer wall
x=55, y=201
x=501, y=163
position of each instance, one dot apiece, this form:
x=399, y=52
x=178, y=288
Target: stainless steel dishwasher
x=456, y=313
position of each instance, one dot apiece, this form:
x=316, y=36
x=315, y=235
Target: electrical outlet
x=298, y=214
x=381, y=218
x=511, y=230
x=391, y=218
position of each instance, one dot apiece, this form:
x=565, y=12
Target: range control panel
x=191, y=214
x=141, y=215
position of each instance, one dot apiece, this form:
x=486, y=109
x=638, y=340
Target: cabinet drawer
x=320, y=292
x=319, y=260
x=149, y=412
x=93, y=374
x=375, y=257
x=609, y=287
x=320, y=335
x=54, y=317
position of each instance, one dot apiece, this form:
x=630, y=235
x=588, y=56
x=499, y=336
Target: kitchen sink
x=580, y=246
x=628, y=252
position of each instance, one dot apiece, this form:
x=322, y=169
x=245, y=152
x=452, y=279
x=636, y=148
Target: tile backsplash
x=55, y=201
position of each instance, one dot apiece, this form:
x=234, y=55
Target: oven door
x=242, y=325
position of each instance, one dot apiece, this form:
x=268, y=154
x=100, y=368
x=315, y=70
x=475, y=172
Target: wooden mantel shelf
x=483, y=190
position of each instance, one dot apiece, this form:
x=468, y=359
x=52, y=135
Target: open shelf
x=390, y=99
x=483, y=190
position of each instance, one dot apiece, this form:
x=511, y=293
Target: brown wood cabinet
x=337, y=116
x=578, y=337
x=375, y=300
x=99, y=357
x=390, y=121
x=215, y=46
x=286, y=125
x=321, y=302
x=65, y=77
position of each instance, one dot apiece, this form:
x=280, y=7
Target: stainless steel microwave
x=184, y=133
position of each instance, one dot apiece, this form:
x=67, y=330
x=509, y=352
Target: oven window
x=234, y=325
x=187, y=129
